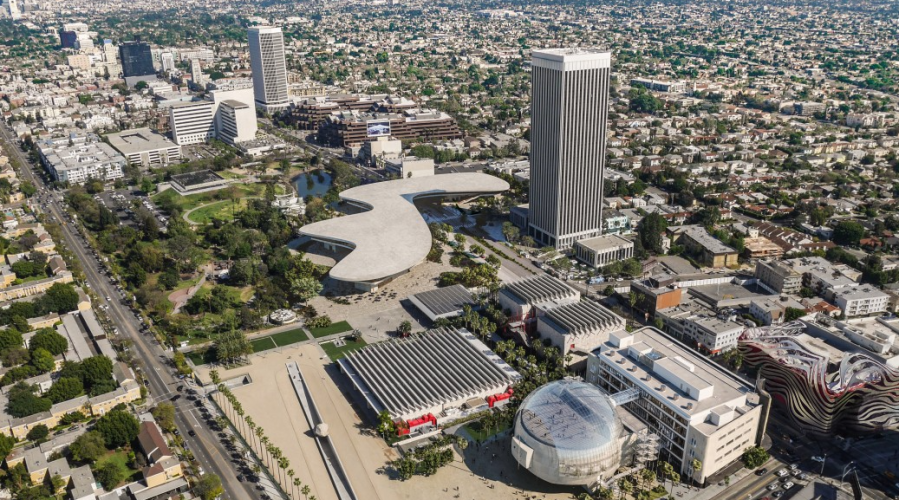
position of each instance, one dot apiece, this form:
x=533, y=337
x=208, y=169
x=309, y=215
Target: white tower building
x=569, y=108
x=269, y=67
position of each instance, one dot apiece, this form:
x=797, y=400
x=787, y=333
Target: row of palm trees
x=270, y=454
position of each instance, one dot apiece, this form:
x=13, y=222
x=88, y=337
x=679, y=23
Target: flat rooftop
x=198, y=177
x=139, y=140
x=605, y=242
x=666, y=363
x=392, y=237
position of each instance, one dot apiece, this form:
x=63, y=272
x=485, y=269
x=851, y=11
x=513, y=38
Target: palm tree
x=265, y=447
x=290, y=474
x=305, y=491
x=298, y=484
x=260, y=434
x=284, y=464
x=252, y=426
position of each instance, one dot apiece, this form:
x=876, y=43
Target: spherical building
x=567, y=432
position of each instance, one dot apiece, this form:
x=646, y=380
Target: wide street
x=156, y=365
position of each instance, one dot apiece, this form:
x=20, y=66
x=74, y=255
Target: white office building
x=699, y=410
x=569, y=107
x=167, y=60
x=603, y=250
x=145, y=147
x=192, y=122
x=269, y=67
x=236, y=122
x=196, y=72
x=861, y=301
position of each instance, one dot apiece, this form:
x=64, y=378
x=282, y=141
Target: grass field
x=336, y=353
x=475, y=430
x=261, y=344
x=224, y=210
x=189, y=202
x=339, y=327
x=120, y=458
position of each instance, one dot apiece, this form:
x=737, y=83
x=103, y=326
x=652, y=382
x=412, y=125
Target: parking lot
x=123, y=203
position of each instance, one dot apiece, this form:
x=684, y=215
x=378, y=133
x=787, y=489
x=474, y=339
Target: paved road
x=155, y=361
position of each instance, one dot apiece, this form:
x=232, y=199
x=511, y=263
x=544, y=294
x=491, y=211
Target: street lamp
x=845, y=471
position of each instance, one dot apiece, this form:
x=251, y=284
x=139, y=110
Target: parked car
x=818, y=459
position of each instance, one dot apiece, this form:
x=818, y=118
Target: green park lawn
x=336, y=353
x=120, y=457
x=261, y=344
x=339, y=327
x=224, y=210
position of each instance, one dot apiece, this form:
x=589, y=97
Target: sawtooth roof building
x=441, y=373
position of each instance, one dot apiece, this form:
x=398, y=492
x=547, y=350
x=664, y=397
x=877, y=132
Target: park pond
x=315, y=183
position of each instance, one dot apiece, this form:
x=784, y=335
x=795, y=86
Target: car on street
x=761, y=472
x=192, y=433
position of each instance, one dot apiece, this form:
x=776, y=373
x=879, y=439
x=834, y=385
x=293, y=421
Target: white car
x=782, y=473
x=788, y=485
x=818, y=459
x=792, y=466
x=772, y=486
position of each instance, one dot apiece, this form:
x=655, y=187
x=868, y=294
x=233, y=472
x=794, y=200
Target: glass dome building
x=567, y=433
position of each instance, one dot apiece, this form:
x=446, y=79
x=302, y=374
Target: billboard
x=378, y=128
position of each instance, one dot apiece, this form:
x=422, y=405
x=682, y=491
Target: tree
x=60, y=298
x=754, y=457
x=38, y=433
x=405, y=328
x=48, y=339
x=304, y=288
x=6, y=445
x=793, y=313
x=96, y=370
x=510, y=231
x=848, y=233
x=22, y=402
x=64, y=389
x=209, y=487
x=110, y=474
x=43, y=360
x=10, y=338
x=651, y=231
x=164, y=413
x=386, y=427
x=118, y=428
x=88, y=447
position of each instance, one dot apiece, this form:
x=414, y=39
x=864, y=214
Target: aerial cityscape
x=394, y=249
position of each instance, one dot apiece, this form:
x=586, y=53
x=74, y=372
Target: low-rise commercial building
x=77, y=159
x=145, y=147
x=409, y=166
x=699, y=410
x=578, y=326
x=710, y=251
x=779, y=277
x=351, y=128
x=524, y=296
x=603, y=250
x=861, y=301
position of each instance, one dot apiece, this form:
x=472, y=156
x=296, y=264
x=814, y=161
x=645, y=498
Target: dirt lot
x=271, y=402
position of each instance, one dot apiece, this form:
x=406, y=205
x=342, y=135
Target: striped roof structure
x=581, y=318
x=539, y=289
x=440, y=368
